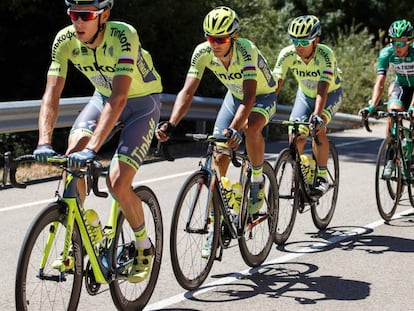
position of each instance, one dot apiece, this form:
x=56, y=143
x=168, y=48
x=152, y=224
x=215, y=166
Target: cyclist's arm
x=378, y=89
x=279, y=86
x=184, y=99
x=49, y=108
x=249, y=99
x=113, y=108
x=321, y=97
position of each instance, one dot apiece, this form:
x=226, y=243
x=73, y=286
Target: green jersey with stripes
x=247, y=63
x=403, y=66
x=322, y=67
x=119, y=53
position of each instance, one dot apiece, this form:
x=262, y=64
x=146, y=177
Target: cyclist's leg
x=82, y=130
x=395, y=101
x=140, y=117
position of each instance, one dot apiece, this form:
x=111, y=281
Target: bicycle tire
x=287, y=174
x=134, y=296
x=257, y=239
x=34, y=292
x=190, y=269
x=323, y=210
x=387, y=190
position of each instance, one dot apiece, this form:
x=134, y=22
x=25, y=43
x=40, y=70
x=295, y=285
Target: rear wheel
x=134, y=296
x=323, y=209
x=257, y=239
x=287, y=179
x=387, y=189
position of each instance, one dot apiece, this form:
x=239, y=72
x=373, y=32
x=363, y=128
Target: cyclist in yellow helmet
x=250, y=100
x=319, y=93
x=127, y=89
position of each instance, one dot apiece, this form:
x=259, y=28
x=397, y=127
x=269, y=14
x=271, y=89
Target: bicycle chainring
x=92, y=287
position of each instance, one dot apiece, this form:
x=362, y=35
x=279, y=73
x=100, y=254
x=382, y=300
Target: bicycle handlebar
x=296, y=123
x=385, y=114
x=93, y=171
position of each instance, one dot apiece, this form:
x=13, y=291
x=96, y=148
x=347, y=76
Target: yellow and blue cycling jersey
x=322, y=67
x=120, y=53
x=247, y=63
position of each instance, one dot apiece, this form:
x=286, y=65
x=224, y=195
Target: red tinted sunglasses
x=84, y=15
x=218, y=40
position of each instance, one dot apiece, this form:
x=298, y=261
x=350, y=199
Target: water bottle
x=93, y=225
x=227, y=188
x=308, y=168
x=237, y=190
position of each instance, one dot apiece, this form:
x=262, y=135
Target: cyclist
x=250, y=99
x=319, y=93
x=399, y=55
x=127, y=90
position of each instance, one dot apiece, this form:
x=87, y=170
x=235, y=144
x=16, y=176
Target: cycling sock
x=257, y=173
x=322, y=171
x=141, y=237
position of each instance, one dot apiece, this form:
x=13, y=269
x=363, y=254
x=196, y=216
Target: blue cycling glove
x=43, y=153
x=79, y=159
x=235, y=135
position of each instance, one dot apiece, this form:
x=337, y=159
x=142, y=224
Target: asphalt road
x=358, y=263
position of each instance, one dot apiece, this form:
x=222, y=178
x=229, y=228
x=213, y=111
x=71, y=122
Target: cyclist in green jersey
x=399, y=55
x=250, y=100
x=127, y=90
x=319, y=93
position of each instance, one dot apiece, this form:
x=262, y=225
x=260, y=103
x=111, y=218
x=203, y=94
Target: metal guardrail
x=22, y=116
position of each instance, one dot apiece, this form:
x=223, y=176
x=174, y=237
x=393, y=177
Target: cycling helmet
x=221, y=21
x=401, y=28
x=306, y=27
x=99, y=4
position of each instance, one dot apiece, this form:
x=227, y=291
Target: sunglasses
x=84, y=15
x=399, y=44
x=303, y=43
x=218, y=40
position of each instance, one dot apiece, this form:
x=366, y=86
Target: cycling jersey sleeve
x=384, y=60
x=199, y=60
x=60, y=52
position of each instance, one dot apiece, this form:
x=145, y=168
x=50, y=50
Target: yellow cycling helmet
x=306, y=27
x=221, y=21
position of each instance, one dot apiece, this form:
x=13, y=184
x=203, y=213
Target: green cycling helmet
x=400, y=29
x=99, y=4
x=306, y=27
x=221, y=21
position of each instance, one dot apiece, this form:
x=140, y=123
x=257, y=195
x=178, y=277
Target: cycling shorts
x=139, y=117
x=265, y=105
x=400, y=95
x=304, y=106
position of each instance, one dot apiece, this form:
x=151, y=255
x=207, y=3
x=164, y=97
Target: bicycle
x=395, y=151
x=295, y=192
x=203, y=193
x=51, y=268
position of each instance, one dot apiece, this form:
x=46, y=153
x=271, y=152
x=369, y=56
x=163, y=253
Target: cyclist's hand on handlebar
x=235, y=137
x=164, y=131
x=79, y=159
x=367, y=111
x=43, y=153
x=318, y=121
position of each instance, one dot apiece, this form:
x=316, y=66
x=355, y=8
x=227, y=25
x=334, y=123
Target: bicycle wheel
x=134, y=296
x=257, y=239
x=188, y=233
x=323, y=210
x=287, y=180
x=387, y=190
x=39, y=288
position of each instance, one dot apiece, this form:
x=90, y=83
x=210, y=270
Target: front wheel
x=387, y=188
x=134, y=296
x=287, y=178
x=39, y=285
x=323, y=209
x=257, y=239
x=190, y=231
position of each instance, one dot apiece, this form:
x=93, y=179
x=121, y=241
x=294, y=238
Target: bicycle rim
x=48, y=289
x=257, y=239
x=387, y=190
x=286, y=178
x=322, y=211
x=135, y=296
x=190, y=269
